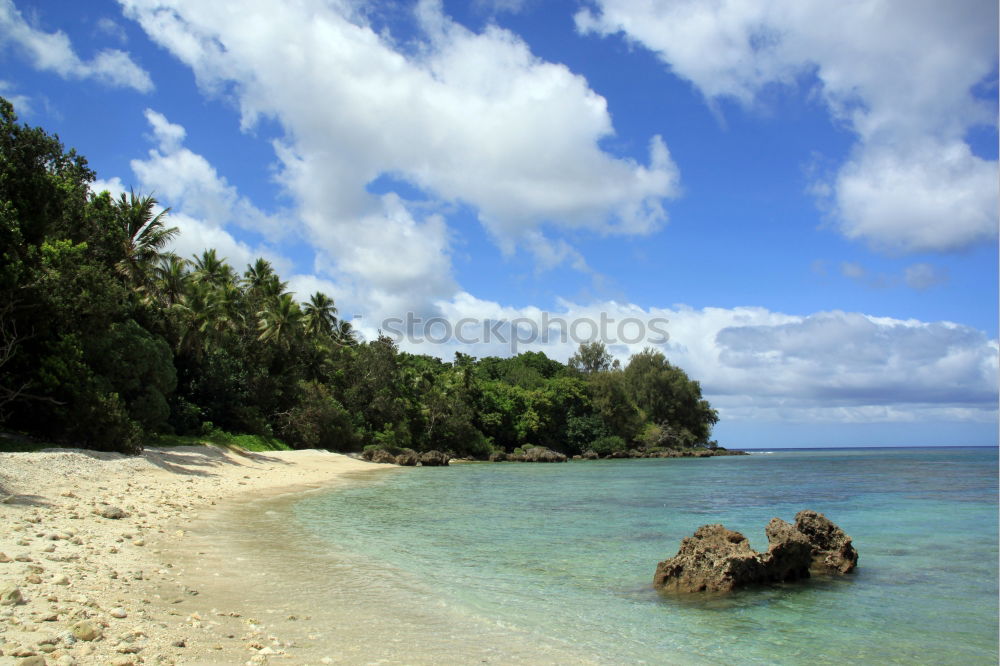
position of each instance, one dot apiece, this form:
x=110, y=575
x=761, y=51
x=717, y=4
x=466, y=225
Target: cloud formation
x=756, y=363
x=52, y=51
x=899, y=73
x=465, y=117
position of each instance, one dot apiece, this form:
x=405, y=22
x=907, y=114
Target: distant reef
x=409, y=457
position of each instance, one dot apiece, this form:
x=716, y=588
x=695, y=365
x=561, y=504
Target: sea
x=553, y=563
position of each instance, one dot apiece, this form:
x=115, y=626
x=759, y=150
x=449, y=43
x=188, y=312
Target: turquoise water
x=568, y=551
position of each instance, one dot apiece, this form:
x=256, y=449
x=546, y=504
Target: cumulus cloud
x=900, y=74
x=755, y=363
x=52, y=51
x=466, y=117
x=191, y=184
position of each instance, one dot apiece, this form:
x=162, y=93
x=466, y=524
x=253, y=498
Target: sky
x=796, y=202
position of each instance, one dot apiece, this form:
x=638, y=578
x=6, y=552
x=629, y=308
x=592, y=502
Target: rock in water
x=433, y=459
x=713, y=560
x=832, y=550
x=716, y=559
x=498, y=456
x=789, y=553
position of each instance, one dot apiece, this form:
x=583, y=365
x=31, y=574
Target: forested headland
x=108, y=341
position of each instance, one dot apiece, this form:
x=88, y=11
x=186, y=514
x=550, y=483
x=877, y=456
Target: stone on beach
x=113, y=513
x=407, y=458
x=87, y=630
x=10, y=595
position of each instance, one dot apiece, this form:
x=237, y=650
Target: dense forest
x=107, y=339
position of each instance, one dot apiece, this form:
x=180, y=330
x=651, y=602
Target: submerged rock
x=716, y=559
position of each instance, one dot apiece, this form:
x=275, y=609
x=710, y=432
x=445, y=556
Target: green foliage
x=608, y=444
x=667, y=396
x=590, y=358
x=318, y=421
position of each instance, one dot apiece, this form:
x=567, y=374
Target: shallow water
x=516, y=562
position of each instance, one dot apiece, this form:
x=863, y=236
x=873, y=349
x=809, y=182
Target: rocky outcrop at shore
x=716, y=559
x=410, y=458
x=434, y=459
x=538, y=454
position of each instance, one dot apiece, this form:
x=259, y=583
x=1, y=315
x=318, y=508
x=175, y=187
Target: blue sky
x=806, y=191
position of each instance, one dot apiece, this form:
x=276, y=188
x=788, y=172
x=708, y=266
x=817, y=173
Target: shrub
x=608, y=444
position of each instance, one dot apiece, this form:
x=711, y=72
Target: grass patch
x=223, y=438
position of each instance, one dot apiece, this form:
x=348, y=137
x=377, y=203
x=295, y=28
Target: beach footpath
x=86, y=575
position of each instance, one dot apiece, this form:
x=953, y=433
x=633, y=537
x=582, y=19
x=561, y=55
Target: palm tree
x=280, y=321
x=261, y=280
x=345, y=334
x=210, y=269
x=144, y=237
x=320, y=315
x=171, y=279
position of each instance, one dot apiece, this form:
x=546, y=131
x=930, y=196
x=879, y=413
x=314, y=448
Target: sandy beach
x=93, y=563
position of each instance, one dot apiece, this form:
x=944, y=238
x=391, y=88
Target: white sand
x=72, y=565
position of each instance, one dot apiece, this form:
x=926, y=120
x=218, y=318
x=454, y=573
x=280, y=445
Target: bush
x=608, y=444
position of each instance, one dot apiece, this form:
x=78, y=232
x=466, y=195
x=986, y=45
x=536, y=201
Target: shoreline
x=79, y=569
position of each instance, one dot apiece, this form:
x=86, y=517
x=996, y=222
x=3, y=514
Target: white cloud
x=190, y=183
x=899, y=73
x=467, y=117
x=52, y=51
x=111, y=28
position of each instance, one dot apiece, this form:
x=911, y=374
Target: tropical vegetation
x=109, y=340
